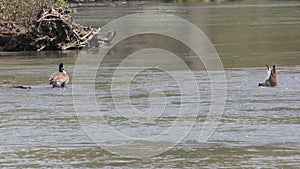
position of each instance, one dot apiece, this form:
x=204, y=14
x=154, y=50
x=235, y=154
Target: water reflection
x=241, y=33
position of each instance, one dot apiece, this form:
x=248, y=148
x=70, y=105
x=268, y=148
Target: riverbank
x=36, y=26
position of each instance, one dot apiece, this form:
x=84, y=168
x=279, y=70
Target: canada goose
x=271, y=77
x=109, y=37
x=60, y=78
x=97, y=39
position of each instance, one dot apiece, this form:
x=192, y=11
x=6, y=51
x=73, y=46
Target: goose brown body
x=271, y=79
x=60, y=78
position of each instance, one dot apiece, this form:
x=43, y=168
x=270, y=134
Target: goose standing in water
x=271, y=77
x=97, y=40
x=60, y=78
x=109, y=37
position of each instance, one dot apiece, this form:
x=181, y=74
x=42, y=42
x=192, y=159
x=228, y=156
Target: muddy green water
x=259, y=128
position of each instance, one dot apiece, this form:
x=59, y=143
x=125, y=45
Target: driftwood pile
x=53, y=29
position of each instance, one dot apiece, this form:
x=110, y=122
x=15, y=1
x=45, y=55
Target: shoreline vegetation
x=35, y=25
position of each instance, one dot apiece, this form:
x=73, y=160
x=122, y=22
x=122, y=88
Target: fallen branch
x=54, y=29
x=22, y=87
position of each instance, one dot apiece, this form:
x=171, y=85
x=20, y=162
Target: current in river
x=151, y=108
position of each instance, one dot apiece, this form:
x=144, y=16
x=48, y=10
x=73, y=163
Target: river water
x=258, y=128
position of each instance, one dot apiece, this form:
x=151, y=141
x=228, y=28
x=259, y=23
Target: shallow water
x=259, y=126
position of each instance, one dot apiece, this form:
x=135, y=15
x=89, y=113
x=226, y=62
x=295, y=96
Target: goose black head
x=61, y=67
